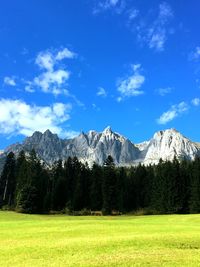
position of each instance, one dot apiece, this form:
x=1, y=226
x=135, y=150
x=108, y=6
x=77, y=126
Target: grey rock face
x=166, y=145
x=95, y=147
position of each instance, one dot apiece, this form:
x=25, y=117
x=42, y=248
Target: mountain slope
x=91, y=147
x=95, y=147
x=167, y=145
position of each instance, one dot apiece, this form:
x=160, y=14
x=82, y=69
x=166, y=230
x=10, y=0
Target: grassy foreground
x=37, y=240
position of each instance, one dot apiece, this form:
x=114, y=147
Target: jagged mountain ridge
x=95, y=147
x=167, y=145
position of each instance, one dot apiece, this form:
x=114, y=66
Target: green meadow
x=59, y=240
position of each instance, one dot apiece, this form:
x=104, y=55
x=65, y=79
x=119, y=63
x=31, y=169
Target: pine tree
x=96, y=187
x=195, y=187
x=69, y=177
x=21, y=171
x=86, y=177
x=184, y=186
x=78, y=195
x=158, y=189
x=141, y=186
x=27, y=199
x=8, y=181
x=150, y=179
x=59, y=190
x=109, y=190
x=176, y=184
x=31, y=184
x=129, y=198
x=120, y=187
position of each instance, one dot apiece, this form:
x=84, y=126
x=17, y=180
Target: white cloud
x=155, y=33
x=165, y=12
x=106, y=4
x=95, y=107
x=69, y=134
x=173, y=112
x=132, y=14
x=101, y=92
x=29, y=87
x=119, y=99
x=53, y=78
x=45, y=60
x=59, y=110
x=52, y=81
x=157, y=39
x=48, y=59
x=196, y=101
x=65, y=53
x=103, y=5
x=9, y=81
x=164, y=91
x=152, y=29
x=132, y=84
x=18, y=117
x=195, y=55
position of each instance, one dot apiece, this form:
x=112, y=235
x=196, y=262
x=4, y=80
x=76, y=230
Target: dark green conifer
x=8, y=181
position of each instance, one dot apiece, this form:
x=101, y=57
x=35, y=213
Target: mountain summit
x=169, y=144
x=95, y=147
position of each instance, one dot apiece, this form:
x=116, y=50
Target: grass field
x=37, y=240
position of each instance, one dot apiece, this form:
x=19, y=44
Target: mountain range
x=95, y=147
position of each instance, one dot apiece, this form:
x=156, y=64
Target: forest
x=28, y=186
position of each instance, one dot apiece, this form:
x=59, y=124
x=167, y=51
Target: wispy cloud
x=118, y=7
x=10, y=81
x=163, y=91
x=151, y=29
x=65, y=53
x=195, y=101
x=52, y=81
x=195, y=55
x=155, y=34
x=53, y=77
x=48, y=59
x=104, y=5
x=173, y=112
x=29, y=87
x=132, y=14
x=131, y=85
x=101, y=92
x=109, y=3
x=18, y=117
x=69, y=134
x=95, y=107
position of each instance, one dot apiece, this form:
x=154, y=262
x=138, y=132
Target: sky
x=72, y=66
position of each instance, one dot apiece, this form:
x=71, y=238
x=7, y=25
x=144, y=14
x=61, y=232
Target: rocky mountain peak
x=168, y=144
x=110, y=136
x=92, y=133
x=36, y=135
x=107, y=130
x=95, y=147
x=168, y=132
x=48, y=133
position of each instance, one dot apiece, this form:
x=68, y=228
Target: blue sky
x=73, y=66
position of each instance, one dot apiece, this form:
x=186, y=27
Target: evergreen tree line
x=169, y=187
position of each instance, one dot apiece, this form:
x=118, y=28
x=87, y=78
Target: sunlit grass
x=42, y=240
